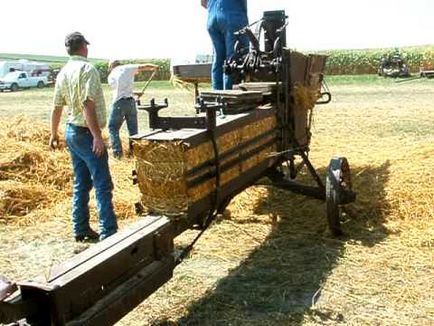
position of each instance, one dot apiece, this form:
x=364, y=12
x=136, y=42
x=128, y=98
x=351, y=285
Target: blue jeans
x=122, y=109
x=89, y=171
x=221, y=28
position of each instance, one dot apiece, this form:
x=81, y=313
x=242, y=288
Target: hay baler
x=188, y=170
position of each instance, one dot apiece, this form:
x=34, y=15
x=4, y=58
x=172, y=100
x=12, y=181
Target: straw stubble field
x=269, y=259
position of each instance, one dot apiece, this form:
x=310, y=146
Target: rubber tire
x=40, y=84
x=14, y=87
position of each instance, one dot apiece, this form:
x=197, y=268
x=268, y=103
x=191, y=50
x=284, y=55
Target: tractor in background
x=393, y=65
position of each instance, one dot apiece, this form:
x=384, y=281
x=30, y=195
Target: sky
x=176, y=29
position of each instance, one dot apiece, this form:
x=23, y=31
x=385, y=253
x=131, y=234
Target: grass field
x=269, y=260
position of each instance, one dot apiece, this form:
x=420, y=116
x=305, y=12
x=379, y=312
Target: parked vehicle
x=21, y=79
x=22, y=65
x=51, y=74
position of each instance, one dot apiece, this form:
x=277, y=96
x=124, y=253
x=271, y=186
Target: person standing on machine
x=224, y=18
x=121, y=80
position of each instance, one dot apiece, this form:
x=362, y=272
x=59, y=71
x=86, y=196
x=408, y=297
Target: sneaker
x=89, y=236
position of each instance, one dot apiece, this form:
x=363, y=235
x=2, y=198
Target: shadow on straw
x=280, y=281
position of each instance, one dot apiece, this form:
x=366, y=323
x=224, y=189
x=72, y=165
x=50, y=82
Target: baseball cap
x=75, y=38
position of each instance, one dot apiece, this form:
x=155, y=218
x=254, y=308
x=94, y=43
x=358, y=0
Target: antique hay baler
x=188, y=170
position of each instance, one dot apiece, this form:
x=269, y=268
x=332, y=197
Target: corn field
x=340, y=62
x=355, y=62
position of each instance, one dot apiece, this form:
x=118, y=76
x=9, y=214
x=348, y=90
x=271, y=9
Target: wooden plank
x=248, y=178
x=127, y=296
x=6, y=287
x=195, y=137
x=232, y=94
x=190, y=72
x=76, y=289
x=263, y=87
x=98, y=248
x=143, y=238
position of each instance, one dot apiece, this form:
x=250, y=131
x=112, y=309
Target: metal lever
x=153, y=109
x=202, y=106
x=152, y=106
x=327, y=98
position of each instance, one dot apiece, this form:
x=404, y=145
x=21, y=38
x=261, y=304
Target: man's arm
x=204, y=3
x=147, y=67
x=92, y=123
x=56, y=115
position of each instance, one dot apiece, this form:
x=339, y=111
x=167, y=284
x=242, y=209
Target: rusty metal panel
x=316, y=65
x=298, y=66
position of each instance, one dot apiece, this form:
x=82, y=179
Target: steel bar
x=298, y=188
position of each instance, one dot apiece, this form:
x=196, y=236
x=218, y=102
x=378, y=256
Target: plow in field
x=188, y=169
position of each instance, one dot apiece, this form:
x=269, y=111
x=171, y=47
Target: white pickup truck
x=21, y=79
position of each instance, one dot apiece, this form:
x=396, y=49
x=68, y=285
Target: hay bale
x=164, y=166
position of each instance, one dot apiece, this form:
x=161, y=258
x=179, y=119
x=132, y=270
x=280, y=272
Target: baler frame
x=102, y=284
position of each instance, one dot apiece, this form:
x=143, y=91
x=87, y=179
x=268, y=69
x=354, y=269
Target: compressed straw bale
x=162, y=165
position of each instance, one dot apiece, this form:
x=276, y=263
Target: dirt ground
x=269, y=260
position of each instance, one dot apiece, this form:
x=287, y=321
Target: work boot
x=89, y=236
x=105, y=236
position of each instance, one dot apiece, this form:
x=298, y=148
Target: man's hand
x=56, y=115
x=138, y=94
x=204, y=3
x=98, y=146
x=54, y=141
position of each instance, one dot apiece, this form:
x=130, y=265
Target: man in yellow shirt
x=78, y=86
